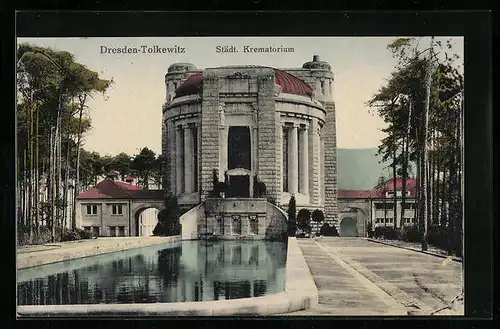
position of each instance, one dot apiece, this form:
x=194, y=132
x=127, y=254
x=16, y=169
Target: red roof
x=379, y=191
x=109, y=189
x=289, y=83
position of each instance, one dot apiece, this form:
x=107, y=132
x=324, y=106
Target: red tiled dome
x=289, y=83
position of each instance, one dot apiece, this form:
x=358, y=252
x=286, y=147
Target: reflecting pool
x=185, y=271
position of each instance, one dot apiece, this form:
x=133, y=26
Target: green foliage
x=168, y=218
x=369, y=229
x=304, y=220
x=259, y=188
x=292, y=215
x=121, y=163
x=317, y=216
x=410, y=234
x=143, y=166
x=387, y=232
x=327, y=230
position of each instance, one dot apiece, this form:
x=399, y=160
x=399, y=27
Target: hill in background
x=359, y=169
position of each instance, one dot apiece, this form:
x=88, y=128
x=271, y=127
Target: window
x=388, y=220
x=112, y=231
x=379, y=206
x=121, y=231
x=87, y=229
x=96, y=230
x=91, y=209
x=117, y=209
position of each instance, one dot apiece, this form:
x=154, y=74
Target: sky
x=129, y=117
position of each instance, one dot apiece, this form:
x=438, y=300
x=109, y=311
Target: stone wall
x=233, y=218
x=330, y=167
x=269, y=135
x=209, y=159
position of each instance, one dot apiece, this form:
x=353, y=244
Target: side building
x=357, y=208
x=115, y=208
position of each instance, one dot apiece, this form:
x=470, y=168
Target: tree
x=424, y=125
x=168, y=218
x=317, y=217
x=304, y=220
x=292, y=215
x=259, y=188
x=48, y=84
x=122, y=163
x=157, y=172
x=143, y=166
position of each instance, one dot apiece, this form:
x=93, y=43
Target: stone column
x=188, y=160
x=179, y=163
x=304, y=161
x=314, y=153
x=293, y=160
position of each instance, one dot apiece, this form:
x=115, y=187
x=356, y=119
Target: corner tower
x=318, y=74
x=176, y=74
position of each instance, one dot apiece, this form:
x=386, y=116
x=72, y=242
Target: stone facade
x=289, y=115
x=235, y=218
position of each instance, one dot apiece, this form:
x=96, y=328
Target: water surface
x=184, y=271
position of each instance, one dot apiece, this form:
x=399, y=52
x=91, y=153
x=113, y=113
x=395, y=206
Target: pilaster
x=209, y=131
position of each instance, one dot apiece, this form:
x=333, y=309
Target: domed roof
x=181, y=67
x=317, y=64
x=289, y=83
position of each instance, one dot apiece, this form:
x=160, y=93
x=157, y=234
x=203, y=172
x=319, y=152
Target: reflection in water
x=184, y=272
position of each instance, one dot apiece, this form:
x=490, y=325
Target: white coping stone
x=300, y=293
x=88, y=248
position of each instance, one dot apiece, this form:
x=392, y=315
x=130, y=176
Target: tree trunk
x=403, y=178
x=394, y=177
x=426, y=144
x=50, y=186
x=77, y=179
x=37, y=176
x=59, y=174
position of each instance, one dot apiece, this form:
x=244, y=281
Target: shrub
x=292, y=214
x=327, y=230
x=438, y=236
x=84, y=234
x=317, y=217
x=410, y=234
x=169, y=218
x=387, y=232
x=304, y=220
x=369, y=229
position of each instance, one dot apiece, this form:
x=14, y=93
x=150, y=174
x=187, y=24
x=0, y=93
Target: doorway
x=239, y=186
x=348, y=227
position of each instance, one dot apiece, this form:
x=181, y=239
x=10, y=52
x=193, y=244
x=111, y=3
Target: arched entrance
x=145, y=221
x=348, y=227
x=239, y=161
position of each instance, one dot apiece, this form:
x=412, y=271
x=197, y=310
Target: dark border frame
x=475, y=26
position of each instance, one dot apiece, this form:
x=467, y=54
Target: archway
x=145, y=221
x=349, y=227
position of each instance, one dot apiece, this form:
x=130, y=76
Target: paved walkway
x=421, y=283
